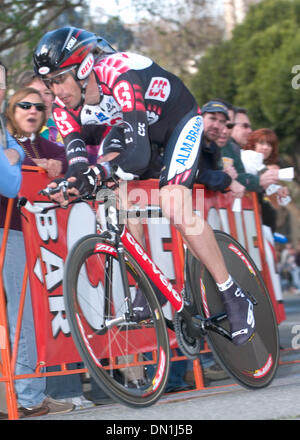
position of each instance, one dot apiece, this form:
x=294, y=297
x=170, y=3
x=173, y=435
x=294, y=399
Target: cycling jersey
x=141, y=103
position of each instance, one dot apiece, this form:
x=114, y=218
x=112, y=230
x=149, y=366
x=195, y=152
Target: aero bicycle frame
x=151, y=270
x=120, y=240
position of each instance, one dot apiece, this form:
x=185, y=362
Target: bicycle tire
x=90, y=299
x=253, y=364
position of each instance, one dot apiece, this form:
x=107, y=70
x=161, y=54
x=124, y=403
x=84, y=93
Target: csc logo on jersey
x=159, y=89
x=124, y=95
x=63, y=124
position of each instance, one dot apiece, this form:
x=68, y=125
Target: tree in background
x=254, y=69
x=114, y=31
x=176, y=33
x=259, y=69
x=22, y=23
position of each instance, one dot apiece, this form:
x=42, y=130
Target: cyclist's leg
x=180, y=166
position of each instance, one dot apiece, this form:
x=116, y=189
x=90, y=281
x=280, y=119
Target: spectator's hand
x=273, y=167
x=231, y=171
x=51, y=166
x=268, y=178
x=283, y=191
x=237, y=189
x=54, y=168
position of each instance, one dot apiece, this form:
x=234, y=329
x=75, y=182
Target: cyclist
x=135, y=103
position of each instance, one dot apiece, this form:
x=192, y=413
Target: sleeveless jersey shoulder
x=110, y=68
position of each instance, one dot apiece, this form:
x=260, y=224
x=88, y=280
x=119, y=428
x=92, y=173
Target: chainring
x=189, y=345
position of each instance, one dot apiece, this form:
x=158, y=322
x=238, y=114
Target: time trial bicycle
x=129, y=358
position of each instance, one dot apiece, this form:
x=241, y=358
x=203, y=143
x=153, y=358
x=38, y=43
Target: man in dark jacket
x=211, y=173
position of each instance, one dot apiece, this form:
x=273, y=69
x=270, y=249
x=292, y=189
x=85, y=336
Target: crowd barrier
x=48, y=237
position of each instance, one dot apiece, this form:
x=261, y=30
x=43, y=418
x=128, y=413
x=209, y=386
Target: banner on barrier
x=49, y=237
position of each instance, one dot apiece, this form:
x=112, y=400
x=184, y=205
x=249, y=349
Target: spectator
x=10, y=170
x=211, y=173
x=298, y=254
x=297, y=260
x=241, y=129
x=289, y=270
x=231, y=152
x=223, y=139
x=3, y=80
x=265, y=141
x=26, y=112
x=25, y=116
x=11, y=158
x=11, y=153
x=48, y=130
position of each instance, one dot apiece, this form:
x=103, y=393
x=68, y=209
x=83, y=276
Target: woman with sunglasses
x=49, y=130
x=25, y=115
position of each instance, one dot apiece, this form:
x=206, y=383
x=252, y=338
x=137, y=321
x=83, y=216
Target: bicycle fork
x=127, y=316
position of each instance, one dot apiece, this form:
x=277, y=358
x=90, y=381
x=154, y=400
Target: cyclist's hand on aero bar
x=81, y=182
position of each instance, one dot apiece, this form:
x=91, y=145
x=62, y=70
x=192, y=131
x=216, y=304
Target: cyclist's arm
x=135, y=150
x=70, y=129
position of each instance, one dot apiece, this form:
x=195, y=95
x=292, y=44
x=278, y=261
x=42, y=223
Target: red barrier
x=48, y=238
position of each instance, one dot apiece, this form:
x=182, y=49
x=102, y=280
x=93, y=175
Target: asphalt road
x=223, y=401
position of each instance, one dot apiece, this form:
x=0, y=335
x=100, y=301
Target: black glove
x=86, y=179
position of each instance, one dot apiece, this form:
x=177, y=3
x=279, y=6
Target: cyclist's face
x=64, y=86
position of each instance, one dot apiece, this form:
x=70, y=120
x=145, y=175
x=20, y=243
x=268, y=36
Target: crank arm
x=211, y=324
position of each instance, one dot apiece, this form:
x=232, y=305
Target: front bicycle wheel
x=128, y=360
x=254, y=363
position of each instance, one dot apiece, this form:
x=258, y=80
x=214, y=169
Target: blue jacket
x=210, y=171
x=10, y=175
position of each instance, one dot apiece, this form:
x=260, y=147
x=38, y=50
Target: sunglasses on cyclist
x=27, y=105
x=59, y=78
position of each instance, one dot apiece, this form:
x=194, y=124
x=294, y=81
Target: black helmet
x=66, y=47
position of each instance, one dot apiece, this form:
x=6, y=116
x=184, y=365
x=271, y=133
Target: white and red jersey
x=141, y=101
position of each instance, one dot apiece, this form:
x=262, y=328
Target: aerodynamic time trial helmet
x=69, y=47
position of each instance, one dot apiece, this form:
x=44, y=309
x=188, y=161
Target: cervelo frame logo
x=242, y=257
x=152, y=266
